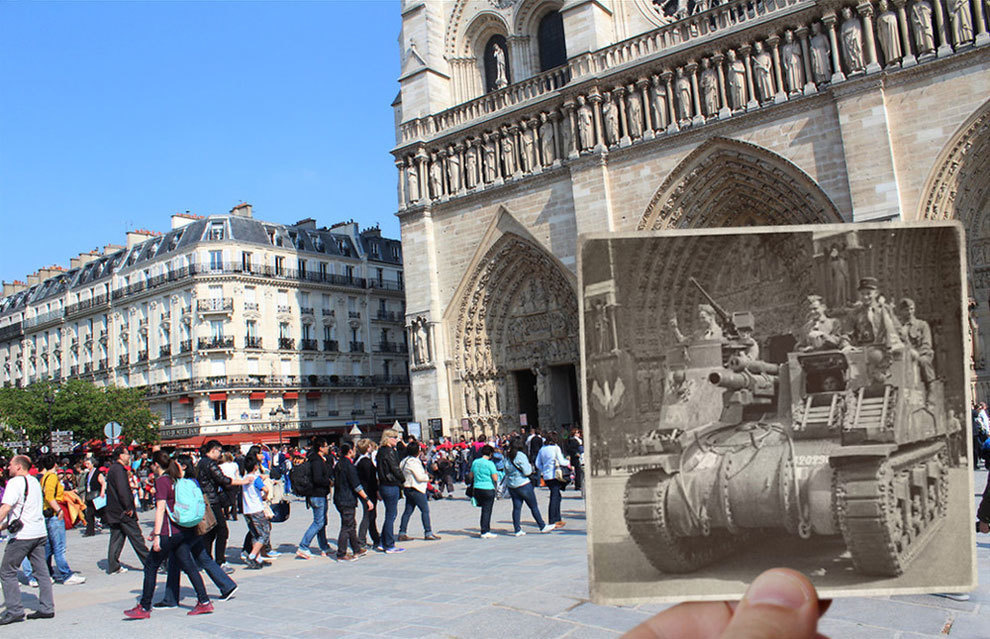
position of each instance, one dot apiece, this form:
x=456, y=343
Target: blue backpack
x=190, y=507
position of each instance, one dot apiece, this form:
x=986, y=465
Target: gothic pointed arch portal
x=958, y=188
x=516, y=340
x=727, y=182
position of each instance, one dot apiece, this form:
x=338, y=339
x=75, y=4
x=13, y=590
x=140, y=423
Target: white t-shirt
x=31, y=516
x=253, y=501
x=229, y=469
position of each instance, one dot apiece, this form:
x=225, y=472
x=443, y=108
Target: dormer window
x=394, y=250
x=214, y=231
x=374, y=249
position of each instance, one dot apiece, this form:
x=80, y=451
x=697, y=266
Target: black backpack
x=301, y=477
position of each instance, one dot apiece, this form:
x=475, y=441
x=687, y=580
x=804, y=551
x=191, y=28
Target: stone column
x=619, y=94
x=781, y=94
x=499, y=168
x=692, y=70
x=516, y=150
x=668, y=79
x=556, y=116
x=534, y=124
x=724, y=110
x=459, y=149
x=572, y=152
x=644, y=90
x=944, y=45
x=596, y=108
x=908, y=59
x=445, y=190
x=982, y=37
x=809, y=80
x=401, y=166
x=865, y=10
x=829, y=21
x=753, y=102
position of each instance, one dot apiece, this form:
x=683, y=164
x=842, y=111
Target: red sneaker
x=137, y=612
x=201, y=609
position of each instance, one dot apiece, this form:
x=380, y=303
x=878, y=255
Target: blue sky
x=115, y=115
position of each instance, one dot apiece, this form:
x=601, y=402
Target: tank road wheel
x=885, y=508
x=645, y=501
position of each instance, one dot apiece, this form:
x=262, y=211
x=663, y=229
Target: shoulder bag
x=16, y=525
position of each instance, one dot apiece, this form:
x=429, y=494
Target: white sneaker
x=548, y=528
x=74, y=580
x=488, y=535
x=119, y=571
x=33, y=582
x=519, y=534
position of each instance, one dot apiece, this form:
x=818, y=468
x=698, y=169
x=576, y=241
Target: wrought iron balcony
x=354, y=314
x=123, y=361
x=185, y=346
x=250, y=306
x=215, y=305
x=216, y=342
x=329, y=312
x=330, y=345
x=308, y=345
x=357, y=347
x=389, y=316
x=252, y=341
x=165, y=350
x=390, y=347
x=142, y=356
x=306, y=310
x=283, y=308
x=286, y=343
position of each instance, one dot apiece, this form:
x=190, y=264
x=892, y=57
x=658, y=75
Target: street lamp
x=278, y=416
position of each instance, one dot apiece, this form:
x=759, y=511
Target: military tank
x=841, y=441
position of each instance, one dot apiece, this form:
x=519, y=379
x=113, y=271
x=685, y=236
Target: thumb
x=780, y=604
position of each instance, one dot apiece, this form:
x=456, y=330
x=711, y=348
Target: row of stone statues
x=483, y=397
x=797, y=62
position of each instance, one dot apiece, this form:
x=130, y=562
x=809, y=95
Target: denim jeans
x=520, y=494
x=54, y=548
x=203, y=560
x=414, y=500
x=553, y=510
x=319, y=526
x=486, y=499
x=175, y=548
x=390, y=497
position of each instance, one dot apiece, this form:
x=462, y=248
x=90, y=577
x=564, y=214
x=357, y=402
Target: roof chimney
x=308, y=223
x=136, y=237
x=48, y=272
x=83, y=259
x=181, y=219
x=9, y=288
x=242, y=210
x=110, y=249
x=33, y=279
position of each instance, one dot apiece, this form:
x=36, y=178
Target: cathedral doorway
x=528, y=398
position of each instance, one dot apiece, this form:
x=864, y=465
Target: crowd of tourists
x=194, y=495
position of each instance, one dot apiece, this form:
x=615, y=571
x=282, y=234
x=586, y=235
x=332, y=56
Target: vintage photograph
x=777, y=397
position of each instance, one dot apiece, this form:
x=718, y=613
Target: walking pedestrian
x=390, y=482
x=169, y=541
x=518, y=471
x=414, y=490
x=368, y=474
x=316, y=499
x=347, y=490
x=94, y=487
x=120, y=515
x=52, y=491
x=484, y=478
x=22, y=503
x=549, y=461
x=214, y=483
x=259, y=527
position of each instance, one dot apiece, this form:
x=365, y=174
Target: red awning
x=313, y=395
x=290, y=395
x=257, y=395
x=218, y=397
x=185, y=399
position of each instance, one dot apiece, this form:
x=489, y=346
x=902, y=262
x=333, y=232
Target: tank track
x=881, y=537
x=645, y=499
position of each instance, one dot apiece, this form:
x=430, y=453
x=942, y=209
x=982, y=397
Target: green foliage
x=79, y=406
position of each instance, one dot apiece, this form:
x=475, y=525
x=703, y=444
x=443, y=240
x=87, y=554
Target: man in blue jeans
x=389, y=486
x=55, y=544
x=319, y=468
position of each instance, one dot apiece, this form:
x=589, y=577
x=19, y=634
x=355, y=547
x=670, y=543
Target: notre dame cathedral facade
x=521, y=124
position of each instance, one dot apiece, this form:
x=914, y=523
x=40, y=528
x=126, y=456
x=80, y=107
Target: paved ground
x=462, y=586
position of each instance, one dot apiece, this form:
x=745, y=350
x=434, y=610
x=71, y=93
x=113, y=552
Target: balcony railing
x=252, y=341
x=87, y=368
x=101, y=365
x=390, y=347
x=85, y=305
x=216, y=342
x=357, y=347
x=73, y=371
x=142, y=356
x=306, y=310
x=11, y=331
x=286, y=343
x=185, y=346
x=165, y=350
x=328, y=312
x=44, y=318
x=386, y=285
x=354, y=314
x=123, y=360
x=390, y=380
x=308, y=345
x=330, y=345
x=250, y=306
x=283, y=308
x=215, y=305
x=389, y=316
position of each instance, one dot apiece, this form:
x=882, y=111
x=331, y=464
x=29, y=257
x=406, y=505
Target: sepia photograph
x=777, y=397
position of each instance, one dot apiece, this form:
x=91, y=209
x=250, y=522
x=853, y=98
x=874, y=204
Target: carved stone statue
x=762, y=73
x=508, y=152
x=635, y=113
x=436, y=176
x=412, y=177
x=421, y=344
x=488, y=149
x=838, y=278
x=501, y=74
x=682, y=87
x=454, y=170
x=610, y=119
x=821, y=66
x=709, y=88
x=471, y=167
x=736, y=80
x=962, y=21
x=470, y=405
x=921, y=21
x=585, y=124
x=790, y=53
x=547, y=140
x=852, y=41
x=659, y=103
x=603, y=328
x=527, y=148
x=888, y=33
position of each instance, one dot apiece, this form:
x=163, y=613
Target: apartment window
x=216, y=260
x=327, y=303
x=220, y=410
x=279, y=264
x=349, y=271
x=216, y=292
x=216, y=329
x=327, y=335
x=331, y=403
x=283, y=298
x=381, y=275
x=303, y=298
x=382, y=306
x=354, y=335
x=374, y=249
x=323, y=270
x=358, y=404
x=215, y=232
x=301, y=263
x=394, y=249
x=283, y=330
x=306, y=331
x=398, y=277
x=246, y=261
x=351, y=304
x=249, y=295
x=251, y=327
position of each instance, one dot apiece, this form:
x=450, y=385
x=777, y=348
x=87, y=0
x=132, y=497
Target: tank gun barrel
x=737, y=381
x=760, y=367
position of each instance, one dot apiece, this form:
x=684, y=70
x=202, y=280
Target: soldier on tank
x=820, y=332
x=872, y=319
x=917, y=336
x=709, y=326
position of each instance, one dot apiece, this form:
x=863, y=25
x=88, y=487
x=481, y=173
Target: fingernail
x=777, y=589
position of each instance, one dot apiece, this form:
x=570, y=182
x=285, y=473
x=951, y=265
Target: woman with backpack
x=518, y=471
x=169, y=540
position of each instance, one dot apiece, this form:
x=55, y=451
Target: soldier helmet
x=868, y=283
